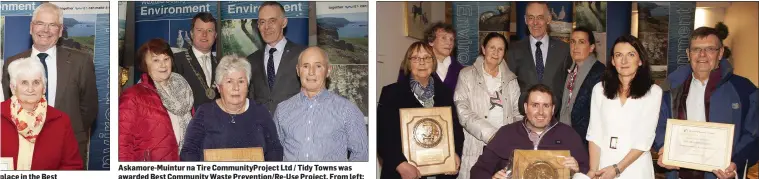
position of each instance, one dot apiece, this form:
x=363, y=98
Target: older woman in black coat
x=419, y=90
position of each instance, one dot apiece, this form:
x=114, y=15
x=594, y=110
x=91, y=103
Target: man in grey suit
x=70, y=73
x=540, y=58
x=274, y=78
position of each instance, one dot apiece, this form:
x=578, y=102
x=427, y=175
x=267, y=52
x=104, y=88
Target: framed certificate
x=252, y=154
x=6, y=163
x=538, y=164
x=701, y=146
x=427, y=139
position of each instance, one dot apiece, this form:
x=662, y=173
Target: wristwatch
x=616, y=169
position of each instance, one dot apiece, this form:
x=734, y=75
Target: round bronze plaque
x=427, y=133
x=540, y=170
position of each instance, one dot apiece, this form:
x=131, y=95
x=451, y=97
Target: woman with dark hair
x=154, y=114
x=586, y=72
x=486, y=98
x=623, y=115
x=418, y=90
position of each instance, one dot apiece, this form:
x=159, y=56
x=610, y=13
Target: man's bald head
x=313, y=69
x=311, y=51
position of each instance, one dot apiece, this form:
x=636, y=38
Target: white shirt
x=617, y=129
x=694, y=105
x=52, y=72
x=494, y=89
x=280, y=46
x=442, y=68
x=205, y=64
x=543, y=48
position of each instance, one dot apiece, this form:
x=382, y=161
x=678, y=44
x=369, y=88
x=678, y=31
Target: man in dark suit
x=274, y=78
x=198, y=65
x=70, y=73
x=540, y=58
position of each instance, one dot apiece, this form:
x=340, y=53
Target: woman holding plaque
x=35, y=136
x=153, y=114
x=624, y=114
x=486, y=99
x=418, y=90
x=233, y=121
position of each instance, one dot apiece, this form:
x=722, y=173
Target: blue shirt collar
x=323, y=93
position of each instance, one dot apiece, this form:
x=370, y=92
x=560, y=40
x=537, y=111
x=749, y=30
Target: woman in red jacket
x=34, y=135
x=154, y=114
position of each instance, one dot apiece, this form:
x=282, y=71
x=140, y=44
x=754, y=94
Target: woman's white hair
x=50, y=8
x=229, y=64
x=25, y=67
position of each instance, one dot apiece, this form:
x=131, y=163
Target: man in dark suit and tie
x=198, y=65
x=274, y=78
x=70, y=73
x=540, y=58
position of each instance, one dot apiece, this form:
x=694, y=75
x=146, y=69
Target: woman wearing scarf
x=486, y=97
x=154, y=114
x=419, y=90
x=586, y=72
x=34, y=135
x=232, y=121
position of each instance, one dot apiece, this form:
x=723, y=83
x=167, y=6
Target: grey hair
x=50, y=7
x=24, y=67
x=229, y=64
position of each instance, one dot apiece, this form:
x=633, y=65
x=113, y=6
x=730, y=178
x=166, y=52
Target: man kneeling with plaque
x=707, y=95
x=539, y=131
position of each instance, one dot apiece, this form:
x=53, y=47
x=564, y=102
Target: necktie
x=206, y=70
x=42, y=57
x=270, y=68
x=539, y=61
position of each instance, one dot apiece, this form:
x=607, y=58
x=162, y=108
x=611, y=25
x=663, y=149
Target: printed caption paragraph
x=28, y=176
x=281, y=171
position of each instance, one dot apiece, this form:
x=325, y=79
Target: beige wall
x=391, y=41
x=709, y=16
x=741, y=20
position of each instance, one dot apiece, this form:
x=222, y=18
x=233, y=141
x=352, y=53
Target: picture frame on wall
x=416, y=17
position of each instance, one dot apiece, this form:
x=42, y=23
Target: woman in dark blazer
x=419, y=90
x=585, y=72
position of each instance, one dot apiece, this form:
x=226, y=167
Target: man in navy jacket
x=708, y=91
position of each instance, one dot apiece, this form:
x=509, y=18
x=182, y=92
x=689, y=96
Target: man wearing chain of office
x=198, y=65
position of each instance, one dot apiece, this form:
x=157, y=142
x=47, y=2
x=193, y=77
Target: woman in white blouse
x=624, y=114
x=486, y=98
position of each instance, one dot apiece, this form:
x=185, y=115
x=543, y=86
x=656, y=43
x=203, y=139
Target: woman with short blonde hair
x=419, y=89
